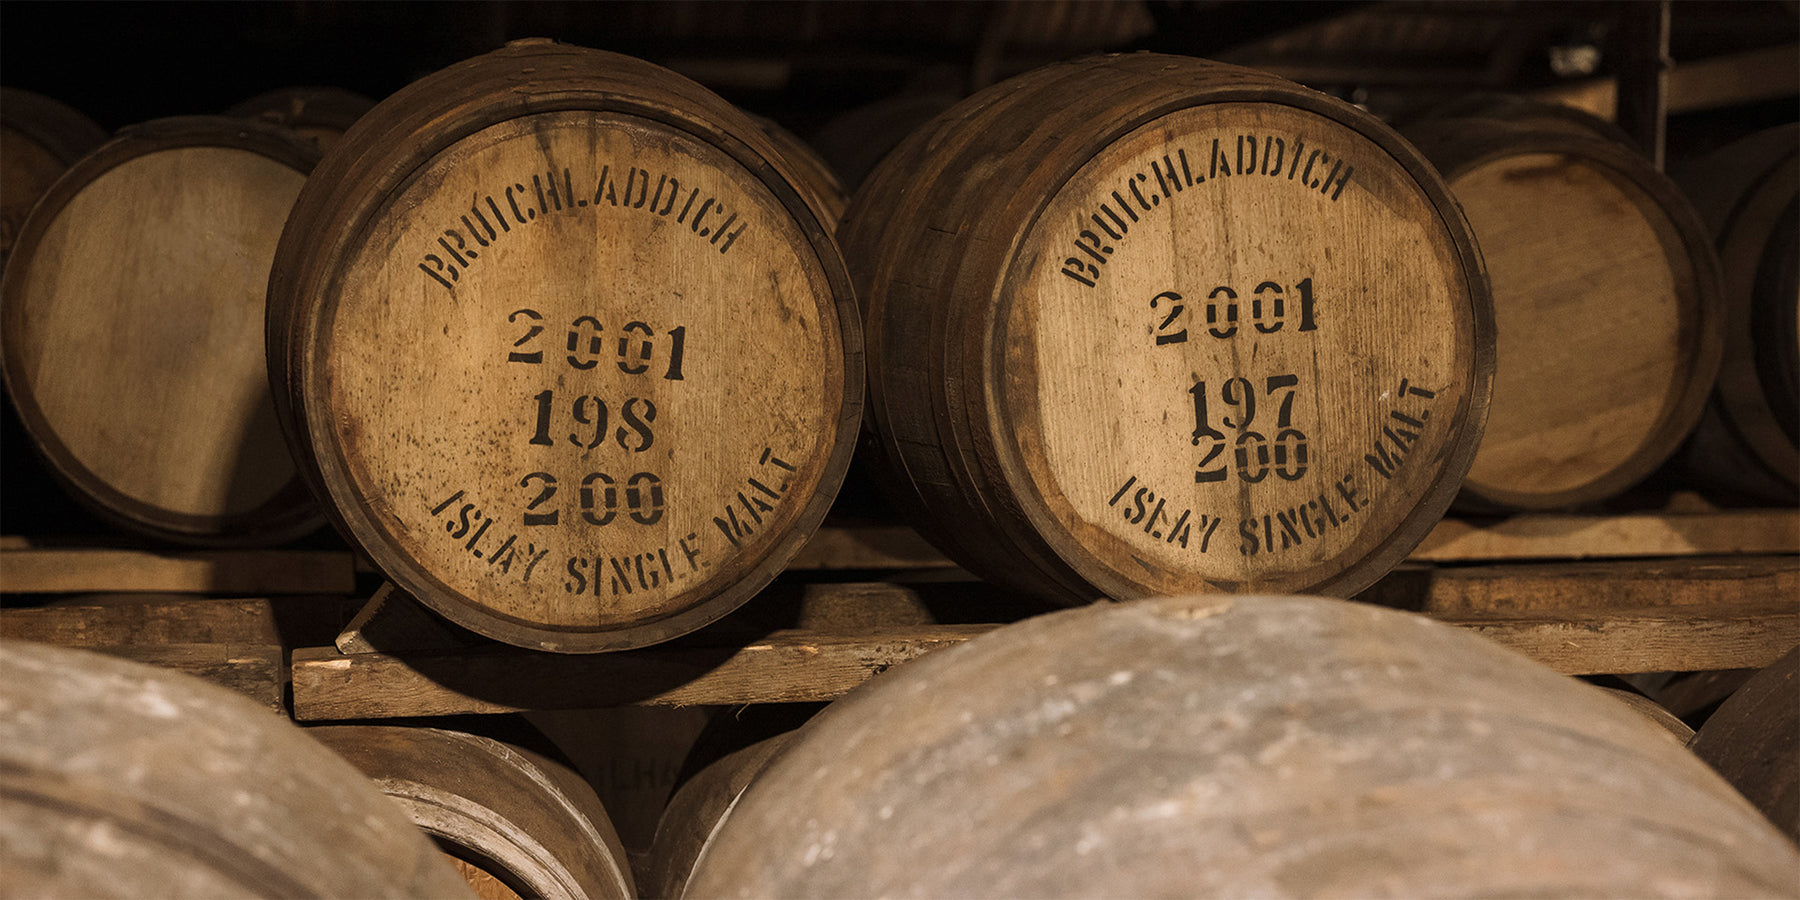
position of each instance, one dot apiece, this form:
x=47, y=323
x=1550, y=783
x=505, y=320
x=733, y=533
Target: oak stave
x=509, y=814
x=783, y=404
x=1753, y=741
x=318, y=114
x=1236, y=746
x=1606, y=298
x=957, y=434
x=123, y=779
x=132, y=308
x=1746, y=194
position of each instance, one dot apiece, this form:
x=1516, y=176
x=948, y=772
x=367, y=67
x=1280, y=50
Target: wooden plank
x=1741, y=78
x=62, y=570
x=786, y=667
x=1519, y=537
x=1616, y=617
x=1749, y=531
x=1652, y=640
x=171, y=620
x=257, y=671
x=1546, y=588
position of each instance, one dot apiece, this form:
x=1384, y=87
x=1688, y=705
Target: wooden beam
x=1549, y=589
x=1538, y=536
x=1742, y=78
x=26, y=569
x=161, y=620
x=786, y=667
x=1683, y=615
x=1520, y=537
x=1649, y=640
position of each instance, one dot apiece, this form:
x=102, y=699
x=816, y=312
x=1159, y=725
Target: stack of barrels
x=576, y=354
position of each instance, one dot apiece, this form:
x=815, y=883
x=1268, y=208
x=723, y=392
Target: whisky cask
x=816, y=180
x=40, y=139
x=119, y=779
x=1746, y=194
x=132, y=310
x=1142, y=325
x=1606, y=299
x=572, y=359
x=697, y=810
x=509, y=815
x=1753, y=741
x=1234, y=747
x=318, y=114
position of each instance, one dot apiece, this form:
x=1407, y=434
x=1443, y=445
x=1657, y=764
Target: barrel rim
x=1463, y=149
x=288, y=514
x=1469, y=418
x=350, y=194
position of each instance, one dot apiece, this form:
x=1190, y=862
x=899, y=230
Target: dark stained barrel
x=123, y=780
x=1747, y=193
x=1237, y=746
x=1753, y=740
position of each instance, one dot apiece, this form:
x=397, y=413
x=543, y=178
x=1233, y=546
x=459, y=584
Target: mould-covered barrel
x=1145, y=324
x=1233, y=747
x=126, y=780
x=133, y=307
x=570, y=356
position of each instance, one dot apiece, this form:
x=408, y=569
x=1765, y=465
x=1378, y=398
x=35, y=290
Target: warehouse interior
x=1644, y=615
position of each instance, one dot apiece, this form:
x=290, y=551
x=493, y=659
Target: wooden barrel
x=133, y=309
x=1606, y=294
x=508, y=814
x=123, y=780
x=1746, y=193
x=1144, y=324
x=1523, y=111
x=573, y=360
x=817, y=182
x=319, y=114
x=1233, y=747
x=1753, y=740
x=40, y=139
x=696, y=811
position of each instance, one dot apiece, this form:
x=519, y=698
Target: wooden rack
x=1649, y=592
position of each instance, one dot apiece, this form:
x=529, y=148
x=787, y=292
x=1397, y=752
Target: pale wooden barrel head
x=40, y=139
x=133, y=309
x=580, y=373
x=1196, y=328
x=1606, y=302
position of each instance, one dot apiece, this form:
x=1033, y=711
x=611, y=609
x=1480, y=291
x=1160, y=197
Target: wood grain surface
x=1606, y=308
x=1578, y=618
x=133, y=306
x=1146, y=325
x=579, y=373
x=40, y=139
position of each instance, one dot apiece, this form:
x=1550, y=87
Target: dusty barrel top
x=133, y=313
x=559, y=338
x=1144, y=324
